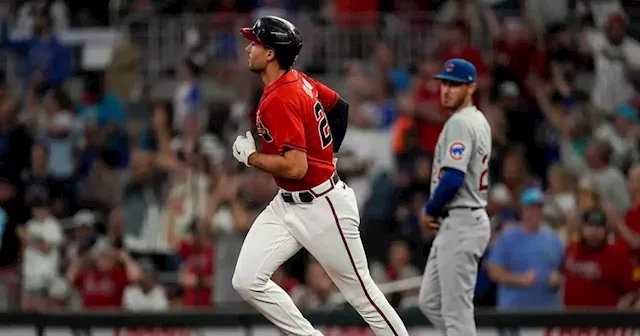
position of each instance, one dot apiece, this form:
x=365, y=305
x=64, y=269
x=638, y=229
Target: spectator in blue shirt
x=161, y=122
x=103, y=118
x=385, y=64
x=46, y=62
x=526, y=259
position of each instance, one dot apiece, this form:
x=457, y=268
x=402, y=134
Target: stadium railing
x=602, y=322
x=328, y=44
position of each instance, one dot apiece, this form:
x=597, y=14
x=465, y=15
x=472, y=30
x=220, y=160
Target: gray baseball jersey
x=465, y=144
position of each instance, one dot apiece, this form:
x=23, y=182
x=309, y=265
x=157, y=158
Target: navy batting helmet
x=277, y=34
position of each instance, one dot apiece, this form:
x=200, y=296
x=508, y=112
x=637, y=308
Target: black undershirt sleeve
x=338, y=118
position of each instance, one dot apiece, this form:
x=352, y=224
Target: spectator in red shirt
x=397, y=267
x=558, y=57
x=456, y=45
x=512, y=52
x=356, y=13
x=196, y=275
x=102, y=284
x=429, y=115
x=629, y=230
x=597, y=272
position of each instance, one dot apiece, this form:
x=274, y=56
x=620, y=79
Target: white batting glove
x=335, y=162
x=244, y=146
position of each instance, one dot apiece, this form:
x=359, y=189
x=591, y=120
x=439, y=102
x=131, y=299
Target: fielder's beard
x=456, y=106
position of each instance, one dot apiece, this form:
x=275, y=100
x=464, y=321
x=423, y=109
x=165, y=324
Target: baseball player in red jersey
x=314, y=208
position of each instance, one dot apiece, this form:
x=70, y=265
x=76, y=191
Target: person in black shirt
x=12, y=202
x=36, y=178
x=15, y=141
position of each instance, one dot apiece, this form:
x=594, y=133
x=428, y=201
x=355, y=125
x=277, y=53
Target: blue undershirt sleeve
x=451, y=180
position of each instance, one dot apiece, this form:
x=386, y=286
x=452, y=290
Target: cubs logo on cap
x=458, y=70
x=449, y=66
x=456, y=150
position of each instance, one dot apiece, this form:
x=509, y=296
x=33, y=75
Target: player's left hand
x=243, y=147
x=429, y=222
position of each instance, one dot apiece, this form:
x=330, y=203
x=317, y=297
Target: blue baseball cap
x=532, y=196
x=629, y=113
x=458, y=70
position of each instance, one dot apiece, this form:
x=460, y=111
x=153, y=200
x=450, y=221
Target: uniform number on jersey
x=323, y=125
x=484, y=178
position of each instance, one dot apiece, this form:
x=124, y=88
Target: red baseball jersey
x=616, y=276
x=291, y=116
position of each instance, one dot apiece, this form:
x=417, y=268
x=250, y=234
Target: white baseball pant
x=329, y=229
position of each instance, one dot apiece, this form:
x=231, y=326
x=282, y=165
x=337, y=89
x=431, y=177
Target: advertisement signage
x=327, y=331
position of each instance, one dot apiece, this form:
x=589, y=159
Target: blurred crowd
x=113, y=199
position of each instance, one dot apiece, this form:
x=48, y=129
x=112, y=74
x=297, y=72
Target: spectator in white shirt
x=596, y=168
x=42, y=237
x=617, y=58
x=27, y=13
x=146, y=294
x=622, y=135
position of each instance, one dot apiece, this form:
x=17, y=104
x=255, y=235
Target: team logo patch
x=263, y=131
x=456, y=150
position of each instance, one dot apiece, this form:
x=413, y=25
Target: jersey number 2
x=323, y=125
x=484, y=179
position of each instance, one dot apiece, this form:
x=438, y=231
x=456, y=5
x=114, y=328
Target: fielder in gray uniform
x=456, y=208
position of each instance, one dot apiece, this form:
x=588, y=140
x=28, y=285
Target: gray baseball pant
x=446, y=295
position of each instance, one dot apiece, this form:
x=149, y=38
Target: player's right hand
x=243, y=147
